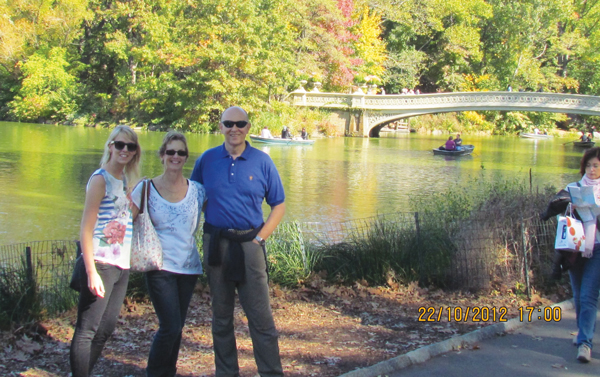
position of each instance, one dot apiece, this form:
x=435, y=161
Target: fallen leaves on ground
x=325, y=330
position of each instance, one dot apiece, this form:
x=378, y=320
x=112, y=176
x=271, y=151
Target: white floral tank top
x=112, y=232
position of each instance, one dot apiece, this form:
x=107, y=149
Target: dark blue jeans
x=96, y=317
x=585, y=282
x=170, y=294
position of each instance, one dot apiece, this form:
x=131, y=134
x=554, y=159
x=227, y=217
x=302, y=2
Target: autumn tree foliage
x=370, y=48
x=174, y=63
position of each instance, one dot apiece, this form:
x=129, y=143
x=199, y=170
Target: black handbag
x=78, y=270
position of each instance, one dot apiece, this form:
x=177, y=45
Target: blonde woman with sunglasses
x=105, y=235
x=174, y=207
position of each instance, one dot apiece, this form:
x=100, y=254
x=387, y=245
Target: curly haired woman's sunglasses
x=171, y=152
x=131, y=147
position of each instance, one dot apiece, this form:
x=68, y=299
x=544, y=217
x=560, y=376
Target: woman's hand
x=587, y=253
x=95, y=284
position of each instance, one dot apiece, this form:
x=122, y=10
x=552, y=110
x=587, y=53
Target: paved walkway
x=527, y=349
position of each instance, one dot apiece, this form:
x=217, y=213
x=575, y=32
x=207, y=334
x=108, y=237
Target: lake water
x=44, y=170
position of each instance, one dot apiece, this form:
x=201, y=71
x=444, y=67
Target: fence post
x=525, y=262
x=418, y=232
x=30, y=294
x=29, y=266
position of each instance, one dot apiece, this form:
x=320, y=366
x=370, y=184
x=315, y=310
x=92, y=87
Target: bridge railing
x=458, y=101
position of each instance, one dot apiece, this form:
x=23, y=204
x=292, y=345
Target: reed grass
x=291, y=259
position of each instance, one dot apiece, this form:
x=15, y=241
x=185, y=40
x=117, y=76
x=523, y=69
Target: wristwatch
x=261, y=242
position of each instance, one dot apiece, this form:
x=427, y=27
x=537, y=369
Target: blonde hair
x=132, y=169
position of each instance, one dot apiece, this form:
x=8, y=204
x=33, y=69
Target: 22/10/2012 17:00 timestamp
x=485, y=314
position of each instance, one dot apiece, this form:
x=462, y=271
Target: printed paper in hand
x=585, y=202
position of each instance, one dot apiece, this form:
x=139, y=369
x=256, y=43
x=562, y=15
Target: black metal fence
x=37, y=272
x=481, y=252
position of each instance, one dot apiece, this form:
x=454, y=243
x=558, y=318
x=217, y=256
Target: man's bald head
x=234, y=112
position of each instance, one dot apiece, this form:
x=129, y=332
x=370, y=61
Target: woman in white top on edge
x=174, y=207
x=106, y=229
x=585, y=272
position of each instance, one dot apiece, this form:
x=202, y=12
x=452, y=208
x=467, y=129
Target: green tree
x=447, y=32
x=48, y=91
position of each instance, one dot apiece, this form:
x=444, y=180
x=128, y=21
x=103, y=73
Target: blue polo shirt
x=235, y=189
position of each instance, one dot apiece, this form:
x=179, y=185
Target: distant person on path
x=105, y=235
x=237, y=178
x=266, y=133
x=509, y=89
x=174, y=207
x=450, y=145
x=285, y=133
x=585, y=272
x=304, y=134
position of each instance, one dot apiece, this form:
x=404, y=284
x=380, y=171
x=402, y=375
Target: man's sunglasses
x=238, y=124
x=171, y=152
x=131, y=147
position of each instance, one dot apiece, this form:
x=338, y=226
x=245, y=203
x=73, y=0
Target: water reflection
x=44, y=170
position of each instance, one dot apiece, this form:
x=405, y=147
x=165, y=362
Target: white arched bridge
x=365, y=113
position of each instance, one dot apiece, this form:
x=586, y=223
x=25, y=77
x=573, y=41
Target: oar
x=569, y=142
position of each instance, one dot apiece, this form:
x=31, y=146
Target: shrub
x=19, y=301
x=291, y=259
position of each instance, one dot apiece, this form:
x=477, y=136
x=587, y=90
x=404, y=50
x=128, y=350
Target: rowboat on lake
x=535, y=136
x=465, y=150
x=280, y=141
x=584, y=144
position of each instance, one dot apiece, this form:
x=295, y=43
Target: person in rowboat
x=266, y=133
x=285, y=133
x=450, y=144
x=584, y=138
x=304, y=134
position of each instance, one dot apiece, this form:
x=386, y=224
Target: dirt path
x=324, y=331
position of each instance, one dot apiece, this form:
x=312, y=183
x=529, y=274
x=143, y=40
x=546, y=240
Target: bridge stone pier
x=366, y=114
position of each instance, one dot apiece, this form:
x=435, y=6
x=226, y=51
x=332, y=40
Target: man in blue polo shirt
x=237, y=178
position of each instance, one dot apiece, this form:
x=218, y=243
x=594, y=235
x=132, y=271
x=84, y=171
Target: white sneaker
x=584, y=353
